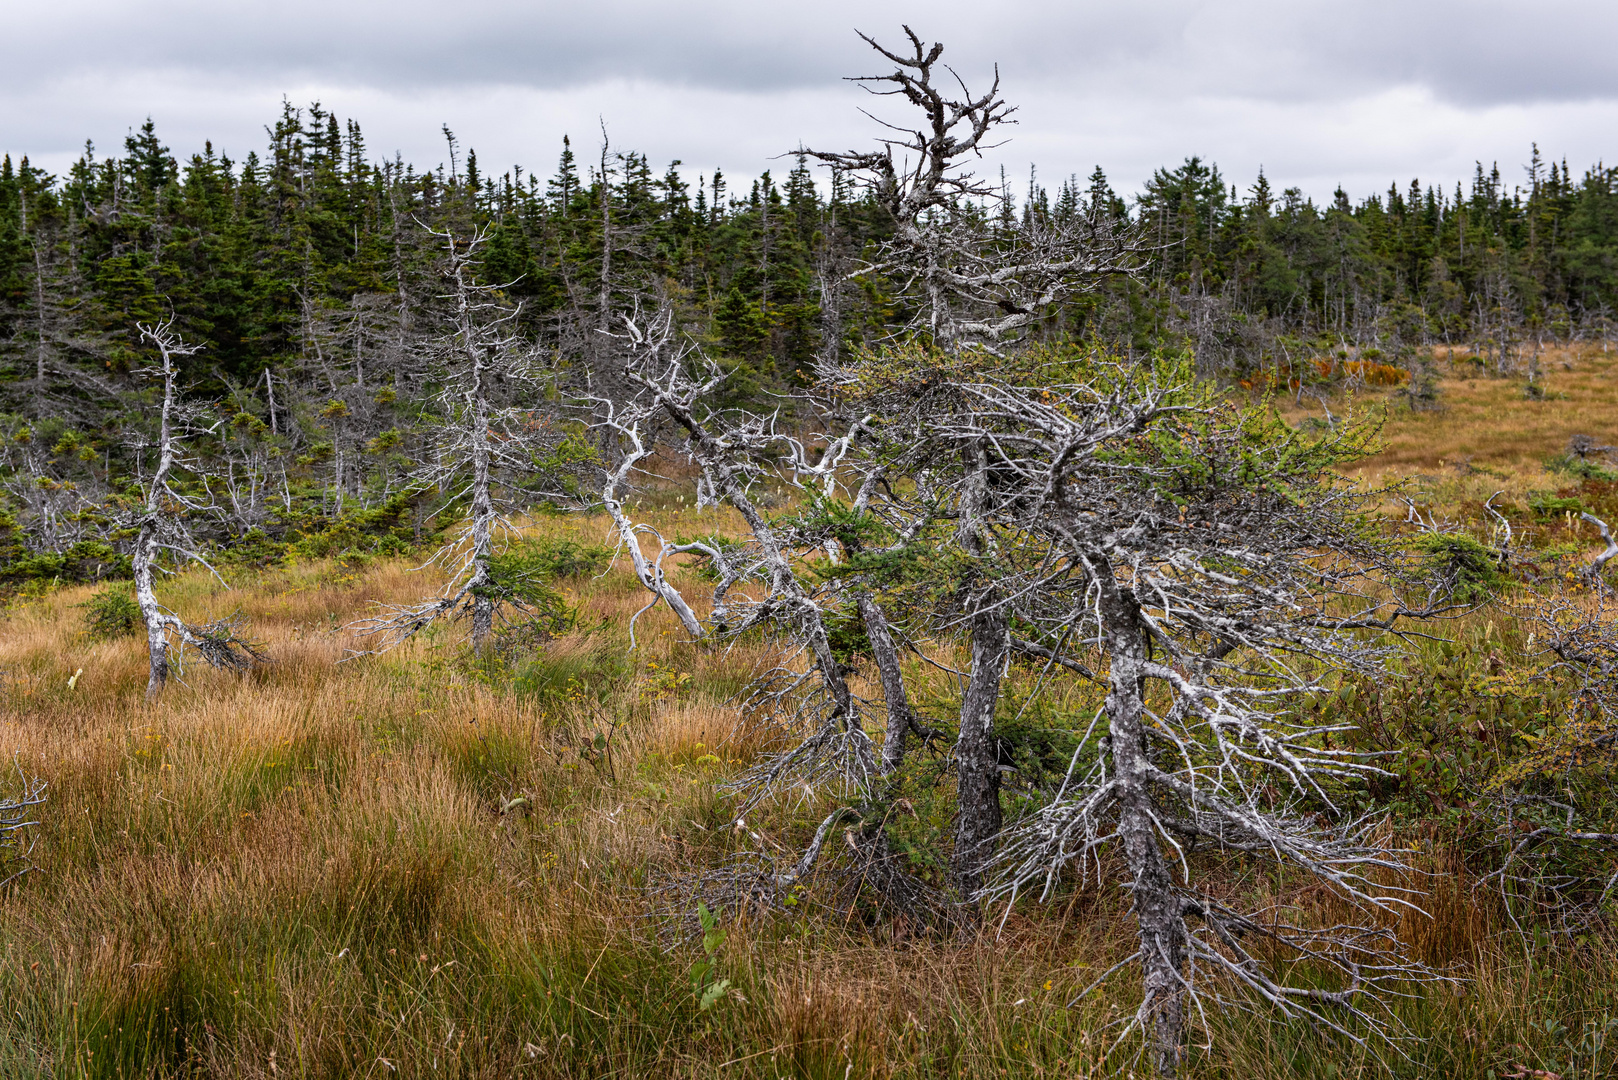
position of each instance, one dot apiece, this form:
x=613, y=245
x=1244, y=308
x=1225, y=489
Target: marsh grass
x=421, y=865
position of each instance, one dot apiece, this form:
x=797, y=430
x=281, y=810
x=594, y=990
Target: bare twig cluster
x=1558, y=845
x=973, y=282
x=16, y=817
x=162, y=527
x=491, y=442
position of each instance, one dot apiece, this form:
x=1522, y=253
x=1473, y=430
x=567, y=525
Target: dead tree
x=821, y=740
x=648, y=571
x=1205, y=559
x=1557, y=834
x=1130, y=524
x=51, y=499
x=1599, y=563
x=726, y=450
x=162, y=527
x=492, y=443
x=971, y=283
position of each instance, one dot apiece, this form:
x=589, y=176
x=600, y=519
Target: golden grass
x=1488, y=422
x=409, y=864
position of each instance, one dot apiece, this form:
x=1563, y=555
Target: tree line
x=302, y=260
x=308, y=279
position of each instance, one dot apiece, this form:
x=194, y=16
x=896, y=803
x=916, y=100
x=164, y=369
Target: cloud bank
x=1358, y=95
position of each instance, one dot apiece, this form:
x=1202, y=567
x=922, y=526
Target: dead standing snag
x=489, y=436
x=161, y=528
x=973, y=283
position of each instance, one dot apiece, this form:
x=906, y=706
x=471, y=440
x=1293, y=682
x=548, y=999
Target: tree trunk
x=482, y=508
x=146, y=551
x=1162, y=935
x=482, y=622
x=39, y=285
x=148, y=544
x=900, y=717
x=1156, y=904
x=977, y=758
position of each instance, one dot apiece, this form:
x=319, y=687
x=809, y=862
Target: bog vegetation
x=459, y=628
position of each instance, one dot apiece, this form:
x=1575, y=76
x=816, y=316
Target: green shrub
x=111, y=613
x=523, y=574
x=85, y=561
x=1574, y=465
x=549, y=559
x=255, y=547
x=522, y=578
x=847, y=636
x=1544, y=504
x=377, y=530
x=1470, y=569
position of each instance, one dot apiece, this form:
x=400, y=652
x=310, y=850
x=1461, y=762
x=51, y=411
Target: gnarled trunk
x=1159, y=921
x=901, y=719
x=146, y=551
x=977, y=757
x=482, y=622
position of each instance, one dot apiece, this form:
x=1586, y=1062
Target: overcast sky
x=1353, y=92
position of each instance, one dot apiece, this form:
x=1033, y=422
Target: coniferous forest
x=309, y=279
x=878, y=620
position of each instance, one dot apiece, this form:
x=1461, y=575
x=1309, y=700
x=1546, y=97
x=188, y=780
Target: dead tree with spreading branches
x=1557, y=833
x=1119, y=525
x=971, y=281
x=819, y=726
x=1207, y=561
x=975, y=285
x=161, y=524
x=727, y=449
x=494, y=447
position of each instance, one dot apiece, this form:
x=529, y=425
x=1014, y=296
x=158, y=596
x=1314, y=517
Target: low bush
x=1471, y=571
x=85, y=561
x=549, y=559
x=111, y=613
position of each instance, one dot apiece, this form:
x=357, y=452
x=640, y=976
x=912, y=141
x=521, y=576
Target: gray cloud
x=1462, y=50
x=1320, y=94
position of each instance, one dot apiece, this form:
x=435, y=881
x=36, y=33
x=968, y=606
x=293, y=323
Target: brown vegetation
x=418, y=864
